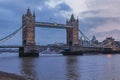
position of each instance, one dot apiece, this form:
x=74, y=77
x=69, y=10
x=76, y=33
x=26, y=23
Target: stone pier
x=29, y=51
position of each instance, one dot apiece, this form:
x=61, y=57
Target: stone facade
x=72, y=33
x=28, y=23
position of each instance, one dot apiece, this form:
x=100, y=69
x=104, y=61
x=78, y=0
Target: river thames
x=59, y=67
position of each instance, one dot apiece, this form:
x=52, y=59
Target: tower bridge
x=29, y=47
x=28, y=23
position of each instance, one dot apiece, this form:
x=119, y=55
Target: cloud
x=63, y=7
x=77, y=6
x=108, y=8
x=99, y=7
x=108, y=26
x=40, y=8
x=53, y=3
x=88, y=23
x=103, y=35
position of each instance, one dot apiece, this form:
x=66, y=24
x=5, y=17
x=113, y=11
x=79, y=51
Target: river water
x=58, y=67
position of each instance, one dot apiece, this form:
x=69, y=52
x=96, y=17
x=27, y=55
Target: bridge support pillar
x=29, y=51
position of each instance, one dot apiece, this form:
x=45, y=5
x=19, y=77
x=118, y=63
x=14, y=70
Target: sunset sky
x=97, y=17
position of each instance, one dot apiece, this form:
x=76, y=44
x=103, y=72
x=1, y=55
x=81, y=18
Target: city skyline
x=96, y=18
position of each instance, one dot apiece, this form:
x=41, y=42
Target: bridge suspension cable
x=84, y=36
x=89, y=42
x=86, y=42
x=10, y=35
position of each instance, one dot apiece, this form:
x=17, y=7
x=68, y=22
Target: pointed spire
x=77, y=19
x=67, y=20
x=34, y=14
x=23, y=16
x=72, y=18
x=28, y=12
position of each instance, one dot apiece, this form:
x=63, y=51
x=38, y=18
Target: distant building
x=94, y=41
x=110, y=42
x=57, y=44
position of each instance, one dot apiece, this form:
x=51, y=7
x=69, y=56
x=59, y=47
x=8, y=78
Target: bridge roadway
x=10, y=46
x=94, y=49
x=51, y=25
x=73, y=49
x=41, y=48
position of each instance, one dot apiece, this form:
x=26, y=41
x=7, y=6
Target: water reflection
x=28, y=67
x=72, y=68
x=93, y=67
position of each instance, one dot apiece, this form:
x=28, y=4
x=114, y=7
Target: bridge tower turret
x=28, y=35
x=72, y=34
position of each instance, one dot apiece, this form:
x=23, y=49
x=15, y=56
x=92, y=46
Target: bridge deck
x=90, y=50
x=87, y=49
x=51, y=25
x=10, y=46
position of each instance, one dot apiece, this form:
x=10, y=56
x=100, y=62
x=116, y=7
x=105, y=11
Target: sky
x=96, y=17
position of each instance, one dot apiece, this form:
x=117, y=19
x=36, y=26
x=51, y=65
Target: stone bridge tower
x=28, y=24
x=28, y=35
x=72, y=33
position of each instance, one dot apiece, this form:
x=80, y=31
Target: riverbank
x=10, y=76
